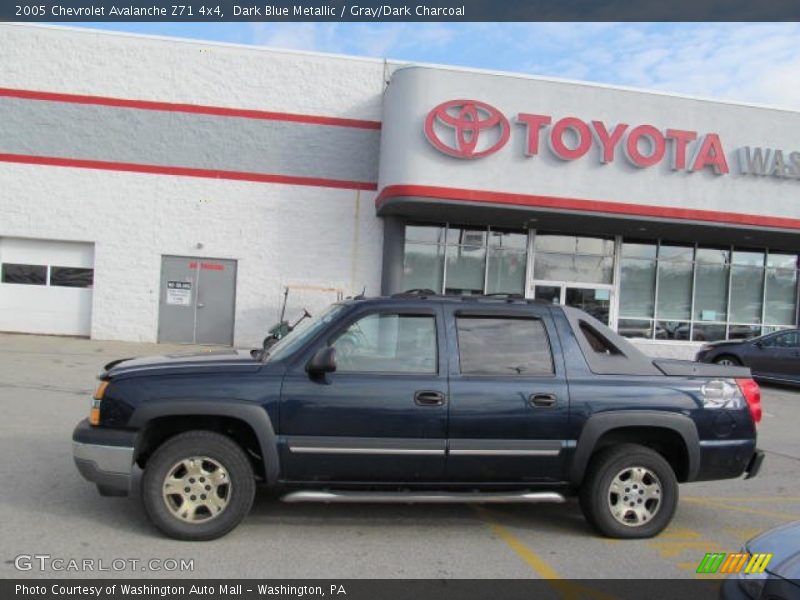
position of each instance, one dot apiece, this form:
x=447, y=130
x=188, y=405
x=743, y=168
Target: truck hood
x=190, y=362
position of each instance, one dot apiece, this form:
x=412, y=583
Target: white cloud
x=745, y=62
x=376, y=40
x=751, y=62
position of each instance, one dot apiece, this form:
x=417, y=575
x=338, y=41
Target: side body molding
x=252, y=414
x=601, y=423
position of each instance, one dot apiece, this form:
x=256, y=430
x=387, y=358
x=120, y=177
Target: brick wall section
x=280, y=234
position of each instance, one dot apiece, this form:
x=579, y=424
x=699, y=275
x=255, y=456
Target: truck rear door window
x=503, y=346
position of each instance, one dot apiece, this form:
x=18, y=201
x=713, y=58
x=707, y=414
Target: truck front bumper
x=104, y=457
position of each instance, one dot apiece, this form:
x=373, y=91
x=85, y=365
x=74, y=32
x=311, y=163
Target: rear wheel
x=198, y=485
x=630, y=492
x=728, y=361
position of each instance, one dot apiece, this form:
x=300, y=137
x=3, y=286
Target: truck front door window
x=388, y=343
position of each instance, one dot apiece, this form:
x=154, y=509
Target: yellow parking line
x=536, y=562
x=680, y=533
x=744, y=509
x=674, y=549
x=742, y=533
x=770, y=499
x=566, y=590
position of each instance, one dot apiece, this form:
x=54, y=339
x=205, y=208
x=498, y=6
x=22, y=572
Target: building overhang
x=488, y=149
x=520, y=211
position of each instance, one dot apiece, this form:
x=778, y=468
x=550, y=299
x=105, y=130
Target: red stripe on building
x=577, y=204
x=198, y=109
x=187, y=172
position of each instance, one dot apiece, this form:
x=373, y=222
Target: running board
x=423, y=497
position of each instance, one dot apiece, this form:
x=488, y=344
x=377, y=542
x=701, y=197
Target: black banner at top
x=218, y=11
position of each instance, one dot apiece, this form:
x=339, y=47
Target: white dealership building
x=169, y=190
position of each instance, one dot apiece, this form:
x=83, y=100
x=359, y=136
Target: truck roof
x=430, y=295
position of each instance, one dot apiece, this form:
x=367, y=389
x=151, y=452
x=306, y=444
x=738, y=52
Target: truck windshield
x=303, y=332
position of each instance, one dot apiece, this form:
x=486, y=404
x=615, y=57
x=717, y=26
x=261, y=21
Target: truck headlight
x=94, y=412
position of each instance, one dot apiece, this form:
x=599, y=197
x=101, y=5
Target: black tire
x=220, y=449
x=729, y=357
x=595, y=493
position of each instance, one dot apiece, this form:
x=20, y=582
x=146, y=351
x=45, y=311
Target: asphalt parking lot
x=45, y=385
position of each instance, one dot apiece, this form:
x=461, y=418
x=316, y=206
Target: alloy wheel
x=196, y=489
x=634, y=496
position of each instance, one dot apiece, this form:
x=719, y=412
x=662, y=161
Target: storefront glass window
x=708, y=332
x=573, y=267
x=711, y=288
x=572, y=244
x=638, y=282
x=506, y=272
x=666, y=290
x=465, y=260
x=635, y=328
x=573, y=258
x=430, y=234
x=466, y=266
x=675, y=283
x=423, y=266
x=704, y=293
x=747, y=286
x=737, y=331
x=672, y=330
x=781, y=292
x=508, y=240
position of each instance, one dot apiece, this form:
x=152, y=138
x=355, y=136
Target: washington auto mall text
x=690, y=151
x=177, y=591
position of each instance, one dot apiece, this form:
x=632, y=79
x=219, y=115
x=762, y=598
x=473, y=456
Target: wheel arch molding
x=252, y=415
x=637, y=423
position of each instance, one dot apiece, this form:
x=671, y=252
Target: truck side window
x=388, y=343
x=597, y=340
x=503, y=346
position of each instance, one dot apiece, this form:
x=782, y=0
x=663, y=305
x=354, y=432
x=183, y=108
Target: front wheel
x=198, y=485
x=728, y=361
x=630, y=492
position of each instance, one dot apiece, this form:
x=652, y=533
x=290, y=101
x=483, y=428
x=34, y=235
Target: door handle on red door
x=543, y=400
x=429, y=398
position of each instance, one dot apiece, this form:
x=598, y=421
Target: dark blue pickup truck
x=421, y=398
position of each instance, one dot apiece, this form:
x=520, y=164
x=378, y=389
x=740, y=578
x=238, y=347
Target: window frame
x=737, y=257
x=472, y=314
x=417, y=311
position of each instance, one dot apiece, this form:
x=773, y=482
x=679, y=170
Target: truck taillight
x=751, y=393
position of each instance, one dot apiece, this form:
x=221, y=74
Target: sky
x=746, y=62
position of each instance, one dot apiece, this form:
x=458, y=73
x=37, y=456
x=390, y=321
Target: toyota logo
x=467, y=129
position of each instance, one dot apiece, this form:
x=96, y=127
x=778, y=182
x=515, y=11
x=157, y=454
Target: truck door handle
x=543, y=400
x=429, y=398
